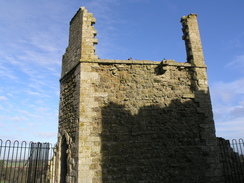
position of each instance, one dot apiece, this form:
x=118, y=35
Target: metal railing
x=22, y=162
x=232, y=158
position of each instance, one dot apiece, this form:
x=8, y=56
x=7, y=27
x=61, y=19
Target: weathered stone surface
x=135, y=120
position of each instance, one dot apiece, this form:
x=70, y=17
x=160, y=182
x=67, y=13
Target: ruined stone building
x=134, y=121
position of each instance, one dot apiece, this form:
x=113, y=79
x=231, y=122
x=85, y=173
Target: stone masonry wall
x=145, y=123
x=134, y=120
x=68, y=104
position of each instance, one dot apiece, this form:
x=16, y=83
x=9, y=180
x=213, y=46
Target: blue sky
x=34, y=36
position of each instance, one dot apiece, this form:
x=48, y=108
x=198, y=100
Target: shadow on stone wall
x=156, y=145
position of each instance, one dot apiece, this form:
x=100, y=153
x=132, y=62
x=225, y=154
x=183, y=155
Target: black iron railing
x=22, y=162
x=232, y=158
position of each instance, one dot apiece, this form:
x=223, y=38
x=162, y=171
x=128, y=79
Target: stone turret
x=192, y=40
x=81, y=40
x=194, y=52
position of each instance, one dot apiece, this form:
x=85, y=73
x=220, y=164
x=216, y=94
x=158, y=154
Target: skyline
x=34, y=37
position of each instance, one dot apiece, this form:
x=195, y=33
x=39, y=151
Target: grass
x=13, y=164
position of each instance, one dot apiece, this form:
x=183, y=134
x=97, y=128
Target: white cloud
x=41, y=109
x=18, y=118
x=232, y=129
x=3, y=98
x=237, y=63
x=228, y=107
x=237, y=111
x=5, y=72
x=28, y=113
x=227, y=92
x=228, y=97
x=34, y=93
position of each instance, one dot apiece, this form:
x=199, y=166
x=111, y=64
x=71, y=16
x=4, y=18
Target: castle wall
x=135, y=120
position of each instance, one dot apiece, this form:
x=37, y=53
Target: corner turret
x=81, y=40
x=192, y=39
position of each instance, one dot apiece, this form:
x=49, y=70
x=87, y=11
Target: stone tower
x=134, y=120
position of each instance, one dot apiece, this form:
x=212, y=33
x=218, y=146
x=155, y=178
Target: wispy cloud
x=232, y=129
x=237, y=63
x=227, y=92
x=228, y=108
x=3, y=98
x=237, y=111
x=28, y=113
x=5, y=72
x=31, y=42
x=236, y=41
x=34, y=93
x=18, y=118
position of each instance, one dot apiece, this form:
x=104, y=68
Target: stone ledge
x=107, y=61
